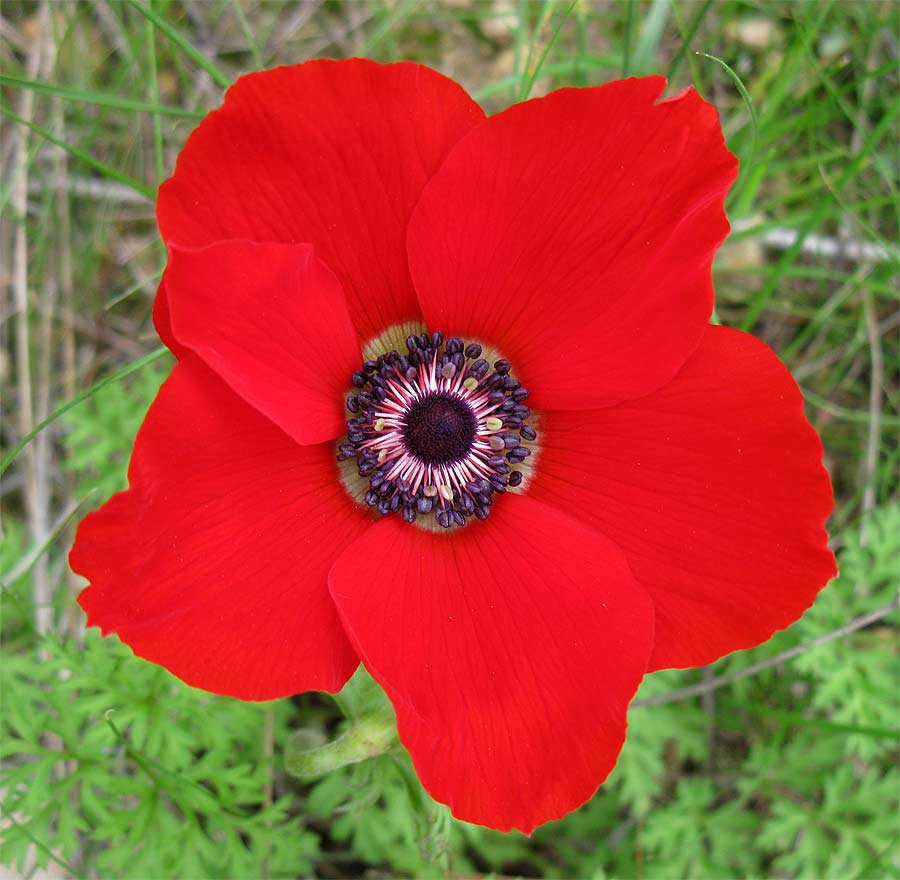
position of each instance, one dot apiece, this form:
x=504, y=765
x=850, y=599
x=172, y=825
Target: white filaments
x=391, y=423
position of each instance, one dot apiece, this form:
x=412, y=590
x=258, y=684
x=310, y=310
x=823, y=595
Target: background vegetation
x=778, y=762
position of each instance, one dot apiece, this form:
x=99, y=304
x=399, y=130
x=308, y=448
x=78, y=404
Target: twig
x=339, y=35
x=891, y=322
x=876, y=374
x=12, y=36
x=123, y=341
x=91, y=188
x=268, y=788
x=66, y=306
x=873, y=442
x=111, y=28
x=703, y=687
x=39, y=844
x=284, y=31
x=709, y=710
x=854, y=250
x=8, y=578
x=36, y=483
x=10, y=457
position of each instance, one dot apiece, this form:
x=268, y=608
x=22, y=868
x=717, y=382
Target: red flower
x=657, y=501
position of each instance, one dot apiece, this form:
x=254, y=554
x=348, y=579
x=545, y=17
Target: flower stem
x=366, y=737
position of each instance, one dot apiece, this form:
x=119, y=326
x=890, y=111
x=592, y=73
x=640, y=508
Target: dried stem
x=876, y=375
x=891, y=322
x=876, y=382
x=35, y=463
x=704, y=687
x=269, y=789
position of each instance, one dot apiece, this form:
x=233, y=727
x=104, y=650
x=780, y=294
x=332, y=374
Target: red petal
x=214, y=562
x=714, y=488
x=271, y=320
x=162, y=320
x=510, y=651
x=330, y=152
x=576, y=233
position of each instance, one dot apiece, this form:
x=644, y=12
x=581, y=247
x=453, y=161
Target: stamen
x=436, y=430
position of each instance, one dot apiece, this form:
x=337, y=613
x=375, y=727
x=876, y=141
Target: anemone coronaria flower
x=447, y=402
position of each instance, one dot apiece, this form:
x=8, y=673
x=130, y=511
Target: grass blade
x=219, y=78
x=81, y=155
x=140, y=363
x=101, y=99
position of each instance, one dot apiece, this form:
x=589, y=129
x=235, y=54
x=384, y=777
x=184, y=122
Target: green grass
x=788, y=772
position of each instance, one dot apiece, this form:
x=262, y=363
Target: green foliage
x=694, y=836
x=118, y=766
x=379, y=810
x=94, y=432
x=856, y=686
x=658, y=740
x=838, y=821
x=115, y=765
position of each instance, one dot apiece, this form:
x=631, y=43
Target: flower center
x=437, y=431
x=440, y=428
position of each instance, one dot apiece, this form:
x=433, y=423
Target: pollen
x=437, y=432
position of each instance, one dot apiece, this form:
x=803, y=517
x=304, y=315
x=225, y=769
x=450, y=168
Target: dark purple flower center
x=437, y=430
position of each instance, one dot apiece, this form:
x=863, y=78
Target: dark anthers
x=437, y=431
